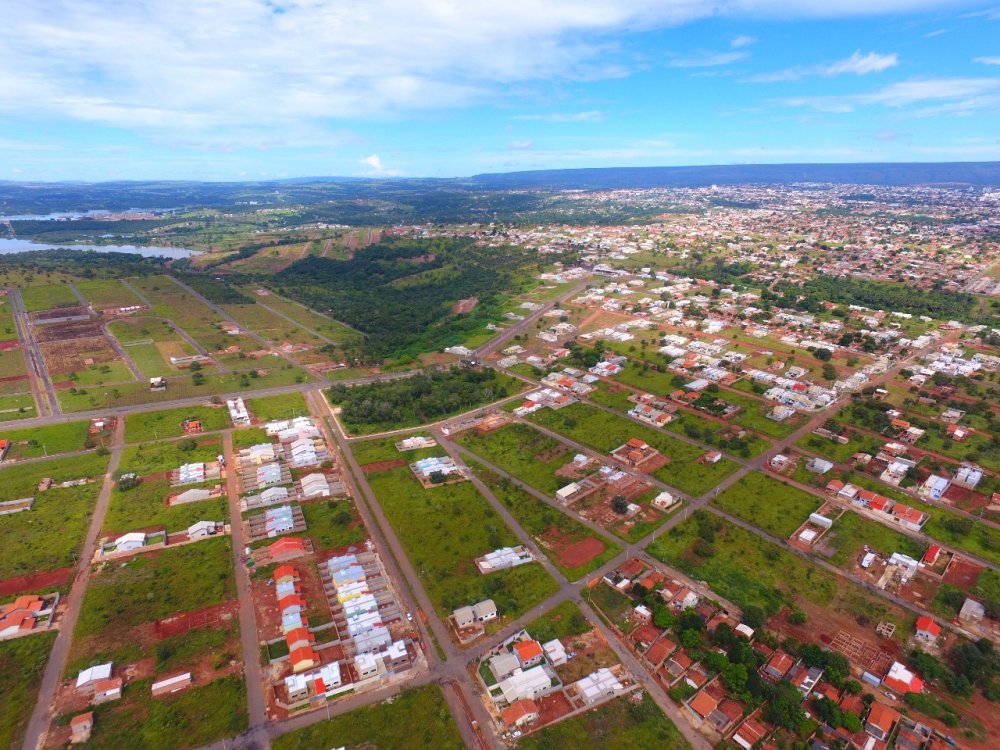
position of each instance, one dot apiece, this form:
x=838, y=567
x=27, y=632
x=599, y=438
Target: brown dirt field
x=383, y=465
x=36, y=581
x=13, y=378
x=552, y=707
x=581, y=553
x=59, y=312
x=962, y=573
x=69, y=355
x=9, y=344
x=465, y=305
x=214, y=616
x=77, y=329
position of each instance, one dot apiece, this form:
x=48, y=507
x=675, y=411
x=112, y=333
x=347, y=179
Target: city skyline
x=244, y=90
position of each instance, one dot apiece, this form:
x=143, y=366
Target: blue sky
x=260, y=89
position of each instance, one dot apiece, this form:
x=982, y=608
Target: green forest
x=401, y=294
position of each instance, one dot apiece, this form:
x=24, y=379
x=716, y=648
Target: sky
x=262, y=89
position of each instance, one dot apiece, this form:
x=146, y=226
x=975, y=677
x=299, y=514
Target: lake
x=9, y=246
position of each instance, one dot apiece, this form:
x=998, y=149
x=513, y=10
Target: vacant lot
x=145, y=506
x=47, y=297
x=47, y=440
x=284, y=406
x=604, y=432
x=771, y=505
x=23, y=662
x=415, y=720
x=151, y=343
x=556, y=533
x=332, y=329
x=156, y=425
x=103, y=293
x=523, y=452
x=851, y=533
x=443, y=530
x=384, y=449
x=152, y=586
x=17, y=407
x=154, y=458
x=617, y=725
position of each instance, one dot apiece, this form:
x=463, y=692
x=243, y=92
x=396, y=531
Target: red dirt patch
x=572, y=554
x=197, y=618
x=6, y=346
x=552, y=708
x=36, y=581
x=464, y=305
x=383, y=465
x=12, y=378
x=962, y=573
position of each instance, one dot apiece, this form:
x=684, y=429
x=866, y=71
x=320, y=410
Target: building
x=80, y=727
x=314, y=485
x=902, y=680
x=529, y=653
x=881, y=720
x=749, y=733
x=132, y=541
x=777, y=666
x=504, y=665
x=927, y=630
x=484, y=611
x=505, y=557
x=599, y=685
x=107, y=690
x=202, y=529
x=519, y=713
x=171, y=684
x=526, y=684
x=89, y=677
x=555, y=652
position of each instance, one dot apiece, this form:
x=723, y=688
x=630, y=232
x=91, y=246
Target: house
x=171, y=684
x=664, y=501
x=463, y=617
x=315, y=485
x=749, y=733
x=805, y=678
x=88, y=678
x=303, y=658
x=819, y=465
x=931, y=555
x=777, y=666
x=287, y=548
x=484, y=611
x=80, y=727
x=703, y=704
x=555, y=652
x=107, y=690
x=132, y=541
x=712, y=457
x=927, y=630
x=598, y=685
x=193, y=495
x=529, y=653
x=902, y=680
x=504, y=665
x=519, y=713
x=201, y=529
x=909, y=518
x=972, y=611
x=880, y=721
x=527, y=683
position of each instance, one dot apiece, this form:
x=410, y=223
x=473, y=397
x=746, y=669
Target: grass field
x=284, y=406
x=107, y=293
x=158, y=584
x=187, y=311
x=12, y=365
x=145, y=505
x=161, y=343
x=852, y=532
x=416, y=719
x=616, y=725
x=604, y=432
x=190, y=718
x=32, y=442
x=332, y=523
x=443, y=529
x=48, y=297
x=768, y=504
x=564, y=620
x=518, y=449
x=384, y=449
x=166, y=423
x=23, y=661
x=332, y=329
x=152, y=458
x=271, y=327
x=537, y=518
x=17, y=407
x=115, y=371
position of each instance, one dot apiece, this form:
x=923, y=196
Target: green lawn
x=443, y=529
x=852, y=532
x=616, y=725
x=21, y=406
x=767, y=503
x=107, y=293
x=278, y=407
x=190, y=718
x=519, y=450
x=151, y=458
x=48, y=297
x=538, y=518
x=415, y=720
x=604, y=432
x=156, y=425
x=152, y=586
x=31, y=442
x=564, y=620
x=23, y=661
x=145, y=505
x=99, y=374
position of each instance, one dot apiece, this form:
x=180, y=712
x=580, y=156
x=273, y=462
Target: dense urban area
x=431, y=464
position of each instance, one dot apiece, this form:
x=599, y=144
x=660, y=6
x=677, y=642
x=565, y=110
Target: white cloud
x=856, y=64
x=707, y=59
x=523, y=145
x=377, y=168
x=987, y=60
x=964, y=94
x=742, y=41
x=593, y=115
x=255, y=72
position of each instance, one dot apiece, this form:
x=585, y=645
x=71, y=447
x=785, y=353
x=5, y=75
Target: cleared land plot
x=617, y=725
x=17, y=407
x=158, y=584
x=771, y=505
x=572, y=547
x=112, y=371
x=416, y=719
x=151, y=343
x=103, y=293
x=156, y=425
x=523, y=452
x=155, y=458
x=604, y=432
x=50, y=534
x=145, y=505
x=31, y=442
x=443, y=530
x=564, y=620
x=23, y=661
x=285, y=406
x=12, y=365
x=196, y=318
x=190, y=718
x=270, y=326
x=48, y=297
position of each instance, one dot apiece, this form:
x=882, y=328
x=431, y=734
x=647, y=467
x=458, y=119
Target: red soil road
x=12, y=378
x=383, y=465
x=6, y=346
x=36, y=581
x=196, y=618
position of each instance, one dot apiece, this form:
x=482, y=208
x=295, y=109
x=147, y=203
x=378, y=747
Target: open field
x=384, y=449
x=564, y=620
x=32, y=442
x=190, y=313
x=145, y=505
x=767, y=503
x=273, y=328
x=102, y=293
x=21, y=406
x=852, y=532
x=154, y=458
x=443, y=529
x=23, y=661
x=332, y=329
x=47, y=297
x=604, y=432
x=167, y=423
x=278, y=407
x=523, y=452
x=616, y=725
x=556, y=533
x=157, y=584
x=12, y=365
x=50, y=534
x=415, y=720
x=151, y=342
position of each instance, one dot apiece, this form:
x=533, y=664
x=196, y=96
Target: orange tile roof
x=703, y=704
x=528, y=650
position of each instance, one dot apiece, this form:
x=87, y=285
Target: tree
x=734, y=677
x=662, y=618
x=619, y=504
x=822, y=354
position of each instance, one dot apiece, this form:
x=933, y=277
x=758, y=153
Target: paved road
x=40, y=716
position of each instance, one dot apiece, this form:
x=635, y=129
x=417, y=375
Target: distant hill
x=979, y=174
